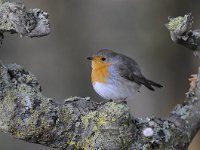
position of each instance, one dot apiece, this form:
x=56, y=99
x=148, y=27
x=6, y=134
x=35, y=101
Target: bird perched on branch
x=116, y=76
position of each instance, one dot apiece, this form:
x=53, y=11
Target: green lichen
x=66, y=114
x=91, y=116
x=174, y=23
x=101, y=119
x=6, y=25
x=89, y=142
x=30, y=128
x=1, y=2
x=7, y=106
x=17, y=105
x=34, y=124
x=103, y=123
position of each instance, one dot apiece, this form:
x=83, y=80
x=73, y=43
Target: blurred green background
x=80, y=27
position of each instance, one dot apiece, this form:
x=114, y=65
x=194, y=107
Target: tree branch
x=76, y=123
x=79, y=123
x=181, y=32
x=14, y=18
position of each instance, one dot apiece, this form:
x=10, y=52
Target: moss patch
x=174, y=23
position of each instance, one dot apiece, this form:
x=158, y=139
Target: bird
x=116, y=77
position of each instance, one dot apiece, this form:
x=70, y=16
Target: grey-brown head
x=106, y=55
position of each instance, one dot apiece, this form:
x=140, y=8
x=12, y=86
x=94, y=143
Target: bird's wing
x=130, y=70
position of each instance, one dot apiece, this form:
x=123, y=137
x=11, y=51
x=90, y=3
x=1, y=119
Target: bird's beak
x=90, y=58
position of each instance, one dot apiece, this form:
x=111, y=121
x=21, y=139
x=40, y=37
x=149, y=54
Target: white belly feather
x=116, y=91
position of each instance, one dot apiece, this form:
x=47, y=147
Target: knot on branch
x=19, y=76
x=155, y=133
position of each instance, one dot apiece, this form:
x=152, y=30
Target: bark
x=80, y=123
x=14, y=18
x=181, y=32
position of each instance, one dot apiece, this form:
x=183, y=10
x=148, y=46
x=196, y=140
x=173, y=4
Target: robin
x=116, y=76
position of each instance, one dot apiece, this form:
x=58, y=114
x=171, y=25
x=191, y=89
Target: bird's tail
x=150, y=84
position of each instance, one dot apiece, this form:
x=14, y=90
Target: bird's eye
x=103, y=58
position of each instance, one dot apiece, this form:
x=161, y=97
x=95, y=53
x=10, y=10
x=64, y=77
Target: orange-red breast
x=116, y=76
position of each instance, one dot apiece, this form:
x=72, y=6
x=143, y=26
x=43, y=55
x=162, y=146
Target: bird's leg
x=110, y=100
x=122, y=101
x=1, y=37
x=104, y=102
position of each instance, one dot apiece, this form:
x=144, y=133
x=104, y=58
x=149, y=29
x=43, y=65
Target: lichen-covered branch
x=181, y=32
x=79, y=123
x=177, y=131
x=14, y=18
x=76, y=123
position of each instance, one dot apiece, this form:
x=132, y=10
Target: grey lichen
x=183, y=112
x=166, y=135
x=15, y=18
x=181, y=32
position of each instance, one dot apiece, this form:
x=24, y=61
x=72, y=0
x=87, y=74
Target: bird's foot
x=115, y=101
x=104, y=102
x=122, y=101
